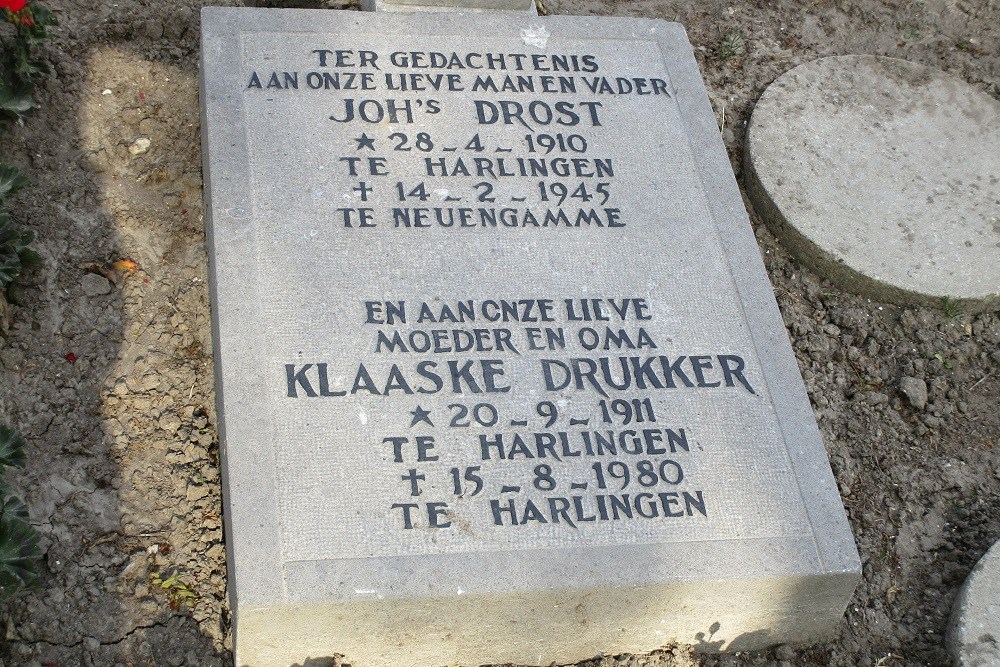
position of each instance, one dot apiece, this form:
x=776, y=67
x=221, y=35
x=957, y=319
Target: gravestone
x=501, y=377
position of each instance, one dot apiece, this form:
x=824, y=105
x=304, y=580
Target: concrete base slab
x=884, y=176
x=974, y=633
x=556, y=627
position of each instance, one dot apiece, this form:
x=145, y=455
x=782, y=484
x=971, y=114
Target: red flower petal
x=71, y=358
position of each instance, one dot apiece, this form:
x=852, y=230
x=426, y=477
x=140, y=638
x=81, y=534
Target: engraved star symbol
x=420, y=415
x=364, y=141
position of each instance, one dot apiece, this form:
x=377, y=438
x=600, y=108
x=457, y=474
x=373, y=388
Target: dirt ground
x=123, y=480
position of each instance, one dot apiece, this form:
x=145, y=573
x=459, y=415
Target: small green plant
x=944, y=362
x=731, y=46
x=178, y=593
x=969, y=46
x=950, y=307
x=20, y=70
x=15, y=253
x=18, y=539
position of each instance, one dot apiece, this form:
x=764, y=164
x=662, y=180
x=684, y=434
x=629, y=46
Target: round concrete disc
x=884, y=176
x=974, y=632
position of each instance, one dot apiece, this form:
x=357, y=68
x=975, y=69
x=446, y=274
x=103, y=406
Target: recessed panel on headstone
x=501, y=377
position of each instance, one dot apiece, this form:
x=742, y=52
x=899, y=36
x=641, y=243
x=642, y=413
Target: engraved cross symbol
x=363, y=189
x=412, y=477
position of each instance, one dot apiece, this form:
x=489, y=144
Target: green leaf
x=11, y=181
x=8, y=232
x=43, y=18
x=13, y=239
x=18, y=104
x=18, y=555
x=14, y=251
x=10, y=235
x=29, y=257
x=11, y=447
x=10, y=268
x=27, y=70
x=42, y=15
x=15, y=509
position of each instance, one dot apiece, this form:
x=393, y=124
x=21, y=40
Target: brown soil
x=123, y=479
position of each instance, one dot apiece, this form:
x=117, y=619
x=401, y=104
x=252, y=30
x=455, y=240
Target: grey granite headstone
x=501, y=377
